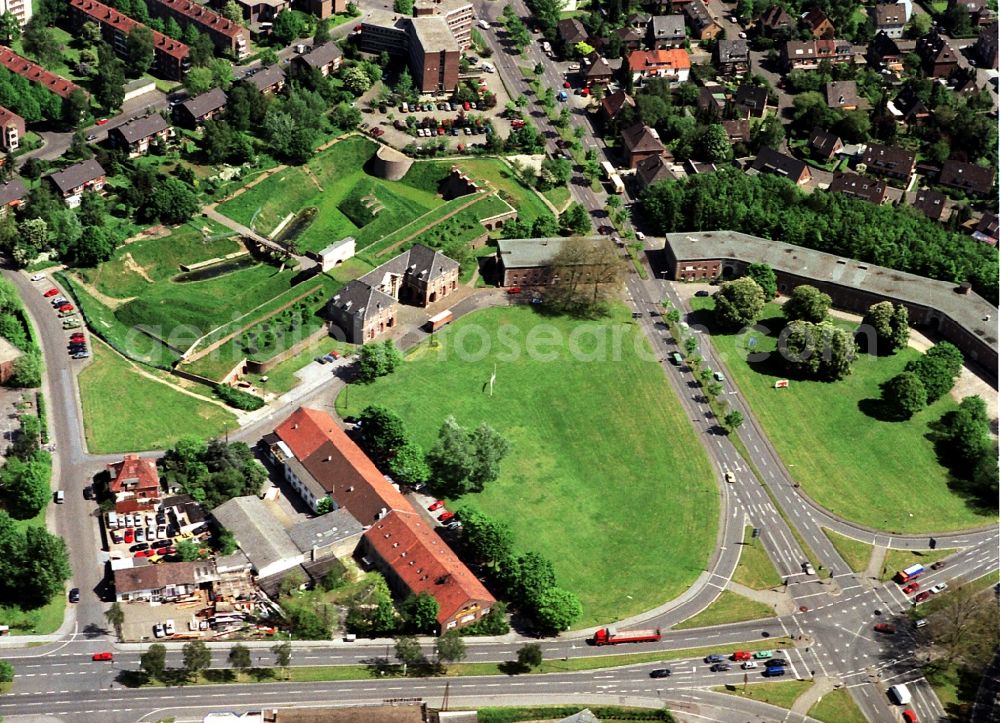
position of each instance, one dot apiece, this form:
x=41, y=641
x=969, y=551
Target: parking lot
x=142, y=617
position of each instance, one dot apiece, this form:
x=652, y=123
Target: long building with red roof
x=319, y=460
x=170, y=57
x=37, y=74
x=226, y=35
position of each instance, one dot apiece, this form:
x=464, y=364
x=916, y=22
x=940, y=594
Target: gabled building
x=162, y=583
x=988, y=229
x=194, y=112
x=666, y=31
x=842, y=94
x=612, y=104
x=35, y=73
x=571, y=32
x=775, y=21
x=653, y=170
x=134, y=477
x=750, y=101
x=807, y=55
x=884, y=53
x=631, y=38
x=938, y=57
x=967, y=177
x=770, y=161
x=890, y=19
x=912, y=110
x=930, y=203
x=267, y=81
x=860, y=187
x=226, y=36
x=597, y=70
x=70, y=183
x=362, y=312
x=12, y=195
x=699, y=17
x=986, y=46
x=325, y=58
x=640, y=142
x=135, y=137
x=674, y=65
x=817, y=23
x=889, y=161
x=823, y=144
x=12, y=129
x=979, y=12
x=738, y=130
x=732, y=57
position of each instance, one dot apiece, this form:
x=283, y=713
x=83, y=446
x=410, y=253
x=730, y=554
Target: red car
x=129, y=534
x=742, y=655
x=335, y=354
x=445, y=516
x=909, y=716
x=50, y=293
x=144, y=553
x=78, y=337
x=66, y=307
x=921, y=597
x=166, y=550
x=566, y=84
x=912, y=587
x=102, y=121
x=585, y=92
x=436, y=505
x=885, y=628
x=103, y=656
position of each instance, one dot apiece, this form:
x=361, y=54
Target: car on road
x=729, y=476
x=721, y=667
x=749, y=665
x=38, y=277
x=74, y=595
x=445, y=516
x=660, y=673
x=912, y=587
x=940, y=587
x=50, y=293
x=921, y=597
x=437, y=505
x=101, y=121
x=606, y=230
x=60, y=497
x=909, y=716
x=885, y=628
x=741, y=655
x=938, y=565
x=807, y=568
x=92, y=137
x=714, y=658
x=106, y=655
x=761, y=654
x=88, y=493
x=922, y=622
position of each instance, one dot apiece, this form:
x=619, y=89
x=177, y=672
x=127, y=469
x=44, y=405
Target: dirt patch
x=109, y=301
x=152, y=232
x=132, y=265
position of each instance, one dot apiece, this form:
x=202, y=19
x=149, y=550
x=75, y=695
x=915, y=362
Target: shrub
x=237, y=398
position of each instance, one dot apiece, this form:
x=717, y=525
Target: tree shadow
x=93, y=631
x=880, y=410
x=261, y=674
x=512, y=667
x=219, y=675
x=132, y=678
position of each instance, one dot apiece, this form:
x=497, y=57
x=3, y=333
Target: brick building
x=227, y=36
x=135, y=478
x=12, y=129
x=528, y=262
x=37, y=74
x=428, y=43
x=135, y=137
x=70, y=183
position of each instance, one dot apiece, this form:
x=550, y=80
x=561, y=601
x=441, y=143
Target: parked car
x=168, y=627
x=761, y=654
x=885, y=628
x=144, y=553
x=940, y=587
x=938, y=565
x=721, y=667
x=445, y=516
x=50, y=293
x=140, y=534
x=776, y=663
x=701, y=292
x=921, y=597
x=158, y=630
x=88, y=493
x=129, y=536
x=38, y=277
x=749, y=665
x=742, y=655
x=103, y=656
x=660, y=673
x=719, y=376
x=139, y=547
x=911, y=588
x=437, y=505
x=101, y=121
x=67, y=307
x=74, y=595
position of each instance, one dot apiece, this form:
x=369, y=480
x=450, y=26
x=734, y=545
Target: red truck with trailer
x=612, y=636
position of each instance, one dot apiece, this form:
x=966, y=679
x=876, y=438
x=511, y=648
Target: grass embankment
x=783, y=694
x=856, y=554
x=124, y=411
x=755, y=568
x=883, y=474
x=896, y=560
x=727, y=608
x=604, y=475
x=837, y=707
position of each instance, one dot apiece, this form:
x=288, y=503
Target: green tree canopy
x=904, y=395
x=807, y=303
x=739, y=303
x=891, y=326
x=938, y=369
x=766, y=279
x=557, y=609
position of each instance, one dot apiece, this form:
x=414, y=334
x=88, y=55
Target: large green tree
x=197, y=657
x=822, y=351
x=420, y=613
x=489, y=541
x=938, y=369
x=384, y=431
x=557, y=609
x=139, y=50
x=904, y=395
x=739, y=303
x=807, y=303
x=154, y=661
x=890, y=324
x=449, y=648
x=766, y=279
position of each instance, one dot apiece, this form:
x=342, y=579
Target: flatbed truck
x=613, y=636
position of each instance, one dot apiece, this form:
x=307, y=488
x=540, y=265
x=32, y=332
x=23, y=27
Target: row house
x=12, y=194
x=70, y=183
x=699, y=17
x=860, y=187
x=967, y=177
x=12, y=129
x=675, y=65
x=194, y=112
x=732, y=57
x=889, y=161
x=823, y=144
x=267, y=81
x=666, y=31
x=937, y=56
x=135, y=137
x=641, y=142
x=776, y=21
x=817, y=23
x=770, y=161
x=170, y=57
x=19, y=65
x=226, y=36
x=808, y=54
x=884, y=54
x=325, y=58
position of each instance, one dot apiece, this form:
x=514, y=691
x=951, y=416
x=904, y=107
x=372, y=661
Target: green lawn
x=882, y=474
x=604, y=477
x=856, y=554
x=755, y=568
x=783, y=694
x=44, y=620
x=837, y=707
x=124, y=411
x=558, y=196
x=896, y=560
x=727, y=608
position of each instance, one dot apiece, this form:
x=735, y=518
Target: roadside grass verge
x=856, y=554
x=558, y=712
x=837, y=706
x=589, y=480
x=729, y=607
x=782, y=694
x=154, y=415
x=878, y=482
x=896, y=560
x=755, y=568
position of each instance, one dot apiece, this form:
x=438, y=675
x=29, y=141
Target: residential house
x=912, y=110
x=807, y=54
x=12, y=195
x=166, y=582
x=979, y=12
x=987, y=229
x=70, y=183
x=360, y=312
x=905, y=5
x=414, y=559
x=770, y=161
x=674, y=64
x=884, y=53
x=699, y=17
x=861, y=187
x=35, y=73
x=732, y=57
x=842, y=94
x=12, y=129
x=817, y=23
x=267, y=81
x=194, y=112
x=938, y=57
x=325, y=58
x=631, y=38
x=986, y=46
x=776, y=21
x=613, y=103
x=259, y=12
x=528, y=262
x=930, y=203
x=667, y=31
x=750, y=101
x=640, y=142
x=571, y=32
x=597, y=70
x=836, y=51
x=135, y=137
x=712, y=99
x=134, y=477
x=890, y=19
x=823, y=144
x=737, y=130
x=890, y=161
x=653, y=169
x=968, y=177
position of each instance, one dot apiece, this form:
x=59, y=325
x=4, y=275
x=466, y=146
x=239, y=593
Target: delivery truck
x=613, y=636
x=910, y=573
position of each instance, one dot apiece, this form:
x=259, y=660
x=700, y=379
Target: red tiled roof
x=675, y=58
x=426, y=564
x=123, y=23
x=8, y=116
x=208, y=19
x=134, y=473
x=36, y=73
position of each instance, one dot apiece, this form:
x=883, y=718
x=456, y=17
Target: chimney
x=964, y=287
x=329, y=458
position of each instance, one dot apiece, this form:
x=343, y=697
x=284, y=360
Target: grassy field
x=727, y=608
x=604, y=477
x=896, y=560
x=755, y=568
x=883, y=474
x=856, y=554
x=837, y=707
x=783, y=694
x=155, y=415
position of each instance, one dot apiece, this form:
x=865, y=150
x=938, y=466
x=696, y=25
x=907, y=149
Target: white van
x=483, y=24
x=60, y=497
x=112, y=520
x=899, y=694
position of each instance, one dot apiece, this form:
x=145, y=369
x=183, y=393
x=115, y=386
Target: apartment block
x=11, y=129
x=20, y=9
x=227, y=36
x=37, y=74
x=427, y=41
x=458, y=15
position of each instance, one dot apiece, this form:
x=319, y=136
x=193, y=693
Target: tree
x=807, y=303
x=108, y=84
x=408, y=650
x=10, y=28
x=174, y=202
x=938, y=369
x=904, y=395
x=451, y=459
x=40, y=42
x=154, y=661
x=420, y=612
x=733, y=419
x=26, y=485
x=819, y=350
x=231, y=11
x=965, y=436
x=202, y=51
x=172, y=28
x=575, y=220
x=409, y=465
x=766, y=279
x=187, y=550
x=526, y=577
x=139, y=50
x=739, y=303
x=356, y=80
x=282, y=654
x=322, y=34
x=770, y=133
x=345, y=116
x=488, y=449
x=557, y=609
x=714, y=145
x=197, y=657
x=529, y=655
x=489, y=541
x=891, y=325
x=384, y=431
x=449, y=648
x=239, y=658
x=377, y=359
x=403, y=7
x=75, y=107
x=198, y=80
